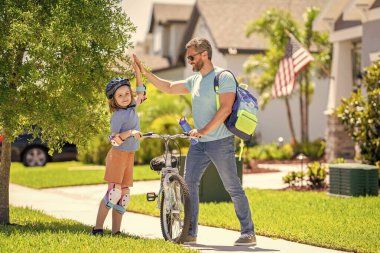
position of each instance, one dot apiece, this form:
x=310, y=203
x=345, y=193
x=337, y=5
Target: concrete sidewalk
x=80, y=203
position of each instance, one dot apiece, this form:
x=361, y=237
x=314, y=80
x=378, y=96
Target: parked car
x=36, y=153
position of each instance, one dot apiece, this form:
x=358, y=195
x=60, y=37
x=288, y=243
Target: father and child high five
x=216, y=143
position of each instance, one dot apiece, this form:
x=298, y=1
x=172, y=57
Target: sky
x=140, y=12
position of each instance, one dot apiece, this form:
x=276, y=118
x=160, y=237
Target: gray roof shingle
x=227, y=20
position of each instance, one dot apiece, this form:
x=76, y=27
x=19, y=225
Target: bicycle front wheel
x=175, y=210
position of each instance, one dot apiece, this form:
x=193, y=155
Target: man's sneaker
x=95, y=232
x=118, y=233
x=190, y=240
x=246, y=240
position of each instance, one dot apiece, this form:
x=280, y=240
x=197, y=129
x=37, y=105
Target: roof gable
x=165, y=14
x=226, y=20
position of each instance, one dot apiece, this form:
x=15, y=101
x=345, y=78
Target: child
x=125, y=135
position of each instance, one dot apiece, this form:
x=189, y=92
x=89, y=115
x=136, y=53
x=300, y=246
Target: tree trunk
x=306, y=109
x=4, y=181
x=290, y=121
x=302, y=108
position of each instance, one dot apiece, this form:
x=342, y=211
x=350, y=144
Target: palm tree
x=276, y=25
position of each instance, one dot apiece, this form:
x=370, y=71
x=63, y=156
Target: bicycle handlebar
x=166, y=136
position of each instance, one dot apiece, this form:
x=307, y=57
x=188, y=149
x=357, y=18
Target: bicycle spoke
x=175, y=221
x=175, y=200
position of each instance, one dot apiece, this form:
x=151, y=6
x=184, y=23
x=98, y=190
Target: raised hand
x=138, y=64
x=136, y=69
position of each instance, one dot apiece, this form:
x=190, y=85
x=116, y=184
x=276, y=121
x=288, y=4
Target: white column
x=341, y=83
x=338, y=143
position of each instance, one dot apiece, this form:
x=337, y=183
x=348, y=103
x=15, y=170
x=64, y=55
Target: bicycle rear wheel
x=175, y=210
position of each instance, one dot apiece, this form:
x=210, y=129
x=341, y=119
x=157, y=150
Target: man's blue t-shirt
x=204, y=100
x=123, y=120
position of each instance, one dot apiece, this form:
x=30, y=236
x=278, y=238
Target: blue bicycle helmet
x=115, y=84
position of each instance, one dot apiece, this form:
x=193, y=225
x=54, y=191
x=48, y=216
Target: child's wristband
x=141, y=88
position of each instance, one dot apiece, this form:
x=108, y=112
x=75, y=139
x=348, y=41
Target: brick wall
x=338, y=142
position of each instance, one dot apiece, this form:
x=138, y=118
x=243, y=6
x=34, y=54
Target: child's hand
x=136, y=134
x=140, y=99
x=118, y=139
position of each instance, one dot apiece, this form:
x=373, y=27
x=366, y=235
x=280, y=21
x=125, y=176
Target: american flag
x=295, y=59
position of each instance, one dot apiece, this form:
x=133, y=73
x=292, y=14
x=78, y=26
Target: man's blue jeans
x=222, y=154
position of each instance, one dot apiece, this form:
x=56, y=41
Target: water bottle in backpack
x=187, y=128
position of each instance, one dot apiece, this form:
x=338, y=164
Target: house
x=354, y=27
x=160, y=50
x=223, y=24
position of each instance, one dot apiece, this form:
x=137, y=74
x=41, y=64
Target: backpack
x=242, y=121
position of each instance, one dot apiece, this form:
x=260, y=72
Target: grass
x=37, y=232
x=68, y=174
x=351, y=224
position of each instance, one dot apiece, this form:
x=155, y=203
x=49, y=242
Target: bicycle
x=173, y=196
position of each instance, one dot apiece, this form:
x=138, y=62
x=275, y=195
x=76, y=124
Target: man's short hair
x=200, y=45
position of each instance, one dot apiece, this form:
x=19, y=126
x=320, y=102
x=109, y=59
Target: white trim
x=329, y=14
x=347, y=34
x=352, y=12
x=351, y=9
x=374, y=56
x=374, y=14
x=357, y=10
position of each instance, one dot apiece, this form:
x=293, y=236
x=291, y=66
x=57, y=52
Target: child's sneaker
x=96, y=232
x=246, y=240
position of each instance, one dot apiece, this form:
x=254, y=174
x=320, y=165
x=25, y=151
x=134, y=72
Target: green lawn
x=351, y=224
x=37, y=232
x=69, y=174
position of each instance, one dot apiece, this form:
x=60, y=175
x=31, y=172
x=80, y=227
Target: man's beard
x=198, y=66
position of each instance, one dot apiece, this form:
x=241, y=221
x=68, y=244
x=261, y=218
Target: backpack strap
x=216, y=86
x=216, y=89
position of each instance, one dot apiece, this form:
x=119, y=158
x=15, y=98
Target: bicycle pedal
x=151, y=196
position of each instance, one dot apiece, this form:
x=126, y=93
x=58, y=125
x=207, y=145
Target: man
x=216, y=143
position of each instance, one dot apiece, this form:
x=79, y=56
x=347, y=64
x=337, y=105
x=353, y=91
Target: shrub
x=361, y=115
x=293, y=178
x=338, y=160
x=96, y=150
x=316, y=176
x=270, y=152
x=313, y=150
x=316, y=173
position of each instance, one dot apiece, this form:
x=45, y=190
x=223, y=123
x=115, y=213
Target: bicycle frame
x=173, y=196
x=168, y=170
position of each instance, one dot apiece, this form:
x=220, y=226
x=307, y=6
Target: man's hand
x=197, y=133
x=136, y=68
x=163, y=85
x=139, y=65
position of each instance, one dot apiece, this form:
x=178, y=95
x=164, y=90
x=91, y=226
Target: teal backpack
x=242, y=121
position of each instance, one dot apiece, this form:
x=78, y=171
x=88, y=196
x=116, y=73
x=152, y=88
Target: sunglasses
x=191, y=57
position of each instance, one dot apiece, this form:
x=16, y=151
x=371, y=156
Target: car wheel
x=34, y=156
